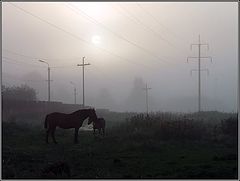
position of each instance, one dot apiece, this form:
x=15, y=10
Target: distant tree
x=105, y=100
x=23, y=92
x=136, y=99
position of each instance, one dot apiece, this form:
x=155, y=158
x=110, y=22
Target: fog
x=127, y=46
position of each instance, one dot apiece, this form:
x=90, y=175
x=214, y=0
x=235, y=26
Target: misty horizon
x=127, y=46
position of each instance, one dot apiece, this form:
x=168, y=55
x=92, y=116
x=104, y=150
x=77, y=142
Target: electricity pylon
x=146, y=89
x=199, y=57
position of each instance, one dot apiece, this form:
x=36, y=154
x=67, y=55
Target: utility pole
x=83, y=64
x=74, y=92
x=48, y=79
x=199, y=58
x=146, y=89
x=49, y=84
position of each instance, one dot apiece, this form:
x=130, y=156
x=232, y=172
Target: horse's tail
x=46, y=122
x=103, y=123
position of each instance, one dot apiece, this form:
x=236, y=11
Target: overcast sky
x=127, y=45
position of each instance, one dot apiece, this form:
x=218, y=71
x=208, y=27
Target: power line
x=146, y=27
x=20, y=79
x=161, y=24
x=54, y=67
x=155, y=19
x=136, y=20
x=26, y=56
x=62, y=66
x=17, y=62
x=26, y=80
x=73, y=35
x=118, y=35
x=36, y=58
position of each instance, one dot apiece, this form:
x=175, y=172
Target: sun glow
x=96, y=39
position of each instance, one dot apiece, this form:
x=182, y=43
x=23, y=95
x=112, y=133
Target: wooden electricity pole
x=83, y=64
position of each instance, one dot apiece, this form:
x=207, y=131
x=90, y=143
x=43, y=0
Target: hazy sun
x=96, y=39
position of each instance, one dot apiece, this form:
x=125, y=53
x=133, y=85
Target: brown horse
x=100, y=125
x=67, y=121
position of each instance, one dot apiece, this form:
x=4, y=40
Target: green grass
x=120, y=154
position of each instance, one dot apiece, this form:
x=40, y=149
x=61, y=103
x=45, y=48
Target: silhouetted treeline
x=33, y=112
x=182, y=127
x=23, y=93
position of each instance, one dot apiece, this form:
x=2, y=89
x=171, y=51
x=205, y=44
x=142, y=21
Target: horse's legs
x=99, y=131
x=76, y=135
x=53, y=135
x=47, y=132
x=103, y=130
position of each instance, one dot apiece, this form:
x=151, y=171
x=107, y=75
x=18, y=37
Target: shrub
x=164, y=126
x=230, y=126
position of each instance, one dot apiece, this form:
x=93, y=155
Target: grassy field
x=139, y=148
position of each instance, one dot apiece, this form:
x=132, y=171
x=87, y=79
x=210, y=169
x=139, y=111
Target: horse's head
x=92, y=116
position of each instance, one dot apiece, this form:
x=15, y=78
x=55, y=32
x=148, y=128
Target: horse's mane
x=81, y=110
